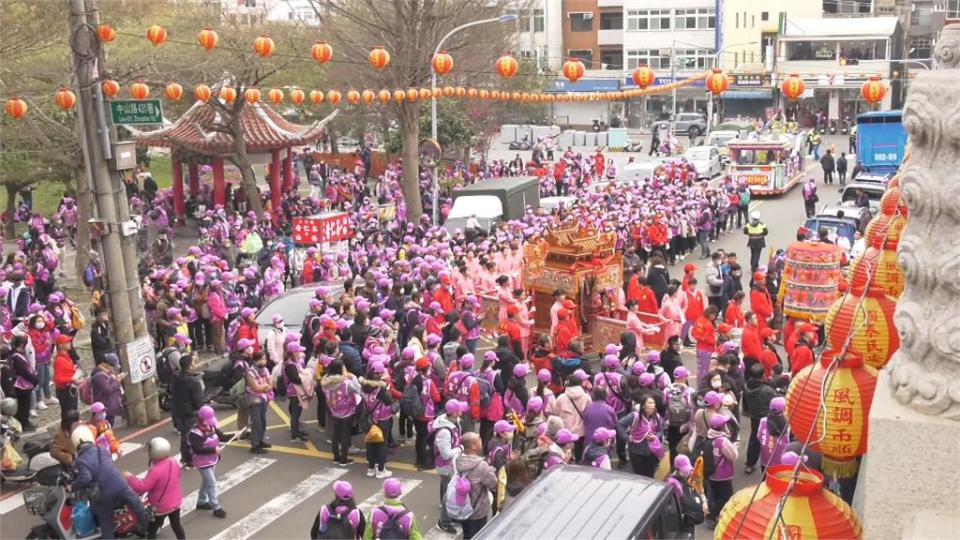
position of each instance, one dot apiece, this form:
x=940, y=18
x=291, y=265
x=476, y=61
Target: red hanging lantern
x=275, y=95
x=848, y=394
x=803, y=510
x=296, y=96
x=139, y=90
x=322, y=52
x=379, y=57
x=367, y=96
x=16, y=108
x=793, y=87
x=873, y=90
x=110, y=88
x=425, y=93
x=252, y=95
x=353, y=97
x=879, y=261
x=442, y=63
x=484, y=93
x=208, y=38
x=644, y=76
x=399, y=95
x=413, y=94
x=157, y=35
x=106, y=33
x=810, y=276
x=173, y=91
x=316, y=97
x=202, y=92
x=506, y=66
x=717, y=82
x=886, y=229
x=892, y=203
x=263, y=46
x=384, y=96
x=573, y=69
x=333, y=97
x=228, y=94
x=65, y=99
x=873, y=312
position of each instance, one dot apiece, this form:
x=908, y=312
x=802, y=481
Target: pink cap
x=392, y=488
x=490, y=356
x=208, y=416
x=602, y=434
x=717, y=421
x=778, y=404
x=502, y=426
x=544, y=375
x=565, y=436
x=581, y=375
x=97, y=407
x=535, y=404
x=343, y=489
x=456, y=406
x=520, y=371
x=611, y=361
x=682, y=464
x=681, y=372
x=637, y=368
x=646, y=379
x=295, y=347
x=712, y=399
x=612, y=348
x=277, y=318
x=462, y=488
x=433, y=339
x=244, y=343
x=653, y=357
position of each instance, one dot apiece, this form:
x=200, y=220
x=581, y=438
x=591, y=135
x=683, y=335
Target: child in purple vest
x=773, y=434
x=724, y=456
x=392, y=515
x=341, y=518
x=205, y=446
x=597, y=454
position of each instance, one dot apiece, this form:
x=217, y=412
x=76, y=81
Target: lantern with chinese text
x=275, y=95
x=892, y=203
x=110, y=88
x=321, y=51
x=717, y=82
x=810, y=277
x=157, y=35
x=139, y=90
x=573, y=69
x=16, y=108
x=296, y=96
x=173, y=91
x=379, y=58
x=848, y=394
x=252, y=95
x=793, y=87
x=65, y=99
x=442, y=63
x=263, y=46
x=367, y=96
x=383, y=96
x=399, y=96
x=506, y=66
x=868, y=317
x=801, y=511
x=873, y=90
x=886, y=228
x=879, y=261
x=316, y=97
x=106, y=33
x=228, y=94
x=643, y=76
x=413, y=94
x=208, y=38
x=333, y=97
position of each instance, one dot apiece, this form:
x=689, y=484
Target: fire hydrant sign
x=143, y=361
x=332, y=227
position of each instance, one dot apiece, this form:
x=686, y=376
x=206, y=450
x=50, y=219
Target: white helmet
x=81, y=435
x=8, y=406
x=158, y=448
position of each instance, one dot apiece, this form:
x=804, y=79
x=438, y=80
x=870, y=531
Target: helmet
x=8, y=406
x=82, y=435
x=158, y=448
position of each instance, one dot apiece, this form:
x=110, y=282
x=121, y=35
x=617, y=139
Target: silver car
x=694, y=124
x=293, y=306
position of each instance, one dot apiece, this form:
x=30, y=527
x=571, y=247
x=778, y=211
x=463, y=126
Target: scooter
x=40, y=465
x=521, y=145
x=54, y=505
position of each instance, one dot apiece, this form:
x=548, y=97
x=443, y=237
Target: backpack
x=392, y=529
x=85, y=390
x=456, y=510
x=338, y=526
x=410, y=403
x=704, y=451
x=89, y=274
x=745, y=198
x=678, y=410
x=307, y=336
x=279, y=380
x=691, y=504
x=486, y=391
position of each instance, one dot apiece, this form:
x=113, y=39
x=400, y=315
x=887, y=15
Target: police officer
x=755, y=231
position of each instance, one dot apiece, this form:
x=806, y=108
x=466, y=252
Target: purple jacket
x=108, y=391
x=597, y=414
x=95, y=467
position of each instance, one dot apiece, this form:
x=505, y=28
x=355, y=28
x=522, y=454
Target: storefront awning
x=765, y=93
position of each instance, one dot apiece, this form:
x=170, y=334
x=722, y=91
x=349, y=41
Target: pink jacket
x=161, y=484
x=218, y=307
x=570, y=407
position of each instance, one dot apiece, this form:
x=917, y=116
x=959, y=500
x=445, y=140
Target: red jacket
x=63, y=370
x=734, y=316
x=768, y=359
x=802, y=357
x=705, y=334
x=445, y=299
x=657, y=233
x=761, y=305
x=249, y=331
x=695, y=304
x=750, y=343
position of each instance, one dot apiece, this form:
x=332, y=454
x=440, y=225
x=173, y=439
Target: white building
x=539, y=33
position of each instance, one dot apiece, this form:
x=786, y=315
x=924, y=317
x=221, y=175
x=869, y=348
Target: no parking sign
x=143, y=362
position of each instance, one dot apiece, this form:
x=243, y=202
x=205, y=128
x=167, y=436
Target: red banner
x=319, y=229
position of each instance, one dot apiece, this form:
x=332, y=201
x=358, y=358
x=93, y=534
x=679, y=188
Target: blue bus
x=881, y=141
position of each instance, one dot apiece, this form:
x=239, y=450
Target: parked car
x=694, y=124
x=639, y=169
x=551, y=203
x=874, y=191
x=293, y=306
x=840, y=226
x=706, y=159
x=493, y=201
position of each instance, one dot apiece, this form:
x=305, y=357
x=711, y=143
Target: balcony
x=610, y=37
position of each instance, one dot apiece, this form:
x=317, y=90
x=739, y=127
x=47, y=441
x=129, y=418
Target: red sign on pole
x=324, y=228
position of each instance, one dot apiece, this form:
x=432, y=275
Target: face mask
x=39, y=325
x=715, y=384
x=101, y=415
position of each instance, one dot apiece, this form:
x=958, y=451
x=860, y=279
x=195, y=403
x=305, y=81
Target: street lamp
x=506, y=17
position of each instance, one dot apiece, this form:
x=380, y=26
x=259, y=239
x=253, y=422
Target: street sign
x=143, y=111
x=143, y=362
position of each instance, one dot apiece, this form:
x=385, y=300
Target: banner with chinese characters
x=333, y=227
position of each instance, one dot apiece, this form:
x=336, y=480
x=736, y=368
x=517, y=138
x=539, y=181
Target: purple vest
x=724, y=467
x=379, y=411
x=606, y=380
x=206, y=460
x=771, y=446
x=642, y=426
x=292, y=388
x=353, y=516
x=340, y=400
x=512, y=403
x=454, y=442
x=429, y=408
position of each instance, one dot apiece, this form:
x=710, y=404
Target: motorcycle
x=634, y=147
x=845, y=126
x=40, y=466
x=54, y=505
x=521, y=144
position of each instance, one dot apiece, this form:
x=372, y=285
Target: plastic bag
x=11, y=458
x=82, y=519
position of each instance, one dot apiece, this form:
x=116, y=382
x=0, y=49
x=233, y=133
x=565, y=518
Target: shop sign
x=752, y=79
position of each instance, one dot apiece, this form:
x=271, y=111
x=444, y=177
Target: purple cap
x=602, y=434
x=646, y=379
x=466, y=361
x=173, y=312
x=207, y=414
x=612, y=348
x=712, y=399
x=778, y=404
x=97, y=407
x=565, y=436
x=535, y=404
x=611, y=361
x=295, y=347
x=638, y=368
x=653, y=357
x=520, y=371
x=378, y=368
x=244, y=343
x=472, y=300
x=682, y=464
x=182, y=338
x=277, y=318
x=717, y=421
x=433, y=340
x=502, y=426
x=456, y=406
x=490, y=356
x=392, y=488
x=246, y=312
x=408, y=353
x=681, y=372
x=342, y=489
x=544, y=375
x=790, y=458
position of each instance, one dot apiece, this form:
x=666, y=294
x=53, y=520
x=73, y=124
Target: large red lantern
x=321, y=51
x=879, y=266
x=263, y=46
x=892, y=203
x=717, y=82
x=228, y=94
x=506, y=66
x=573, y=69
x=847, y=392
x=16, y=108
x=65, y=99
x=316, y=97
x=275, y=95
x=873, y=90
x=886, y=228
x=379, y=57
x=442, y=63
x=797, y=508
x=110, y=88
x=868, y=318
x=106, y=33
x=644, y=76
x=810, y=277
x=173, y=91
x=296, y=96
x=139, y=90
x=202, y=92
x=333, y=97
x=252, y=95
x=793, y=87
x=157, y=35
x=208, y=38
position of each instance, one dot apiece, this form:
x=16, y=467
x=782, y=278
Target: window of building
x=648, y=19
x=695, y=59
x=695, y=19
x=655, y=58
x=753, y=21
x=920, y=47
x=523, y=22
x=526, y=54
x=581, y=22
x=612, y=59
x=921, y=14
x=764, y=15
x=538, y=20
x=584, y=55
x=611, y=21
x=736, y=20
x=953, y=9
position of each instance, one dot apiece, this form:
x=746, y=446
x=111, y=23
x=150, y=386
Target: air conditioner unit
x=588, y=16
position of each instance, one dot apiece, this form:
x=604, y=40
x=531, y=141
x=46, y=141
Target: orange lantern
x=425, y=93
x=252, y=95
x=873, y=90
x=65, y=99
x=106, y=33
x=399, y=96
x=886, y=228
x=275, y=95
x=379, y=58
x=383, y=96
x=173, y=91
x=848, y=394
x=803, y=510
x=517, y=96
x=506, y=66
x=157, y=35
x=228, y=94
x=534, y=98
x=436, y=93
x=139, y=90
x=296, y=96
x=495, y=95
x=321, y=51
x=110, y=88
x=367, y=96
x=316, y=97
x=207, y=38
x=573, y=69
x=16, y=108
x=202, y=92
x=873, y=312
x=413, y=94
x=460, y=91
x=717, y=82
x=878, y=262
x=333, y=97
x=442, y=63
x=473, y=93
x=448, y=91
x=892, y=203
x=793, y=87
x=263, y=46
x=483, y=93
x=644, y=76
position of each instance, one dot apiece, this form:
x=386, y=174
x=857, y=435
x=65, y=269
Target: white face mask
x=715, y=384
x=39, y=325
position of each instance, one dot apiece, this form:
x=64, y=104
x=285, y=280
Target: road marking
x=127, y=448
x=406, y=486
x=255, y=521
x=233, y=477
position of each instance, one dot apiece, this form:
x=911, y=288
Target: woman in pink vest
x=342, y=391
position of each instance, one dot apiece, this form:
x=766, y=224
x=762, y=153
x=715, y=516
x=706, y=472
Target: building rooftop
x=840, y=27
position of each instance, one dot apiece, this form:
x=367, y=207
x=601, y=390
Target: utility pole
x=124, y=302
x=673, y=79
